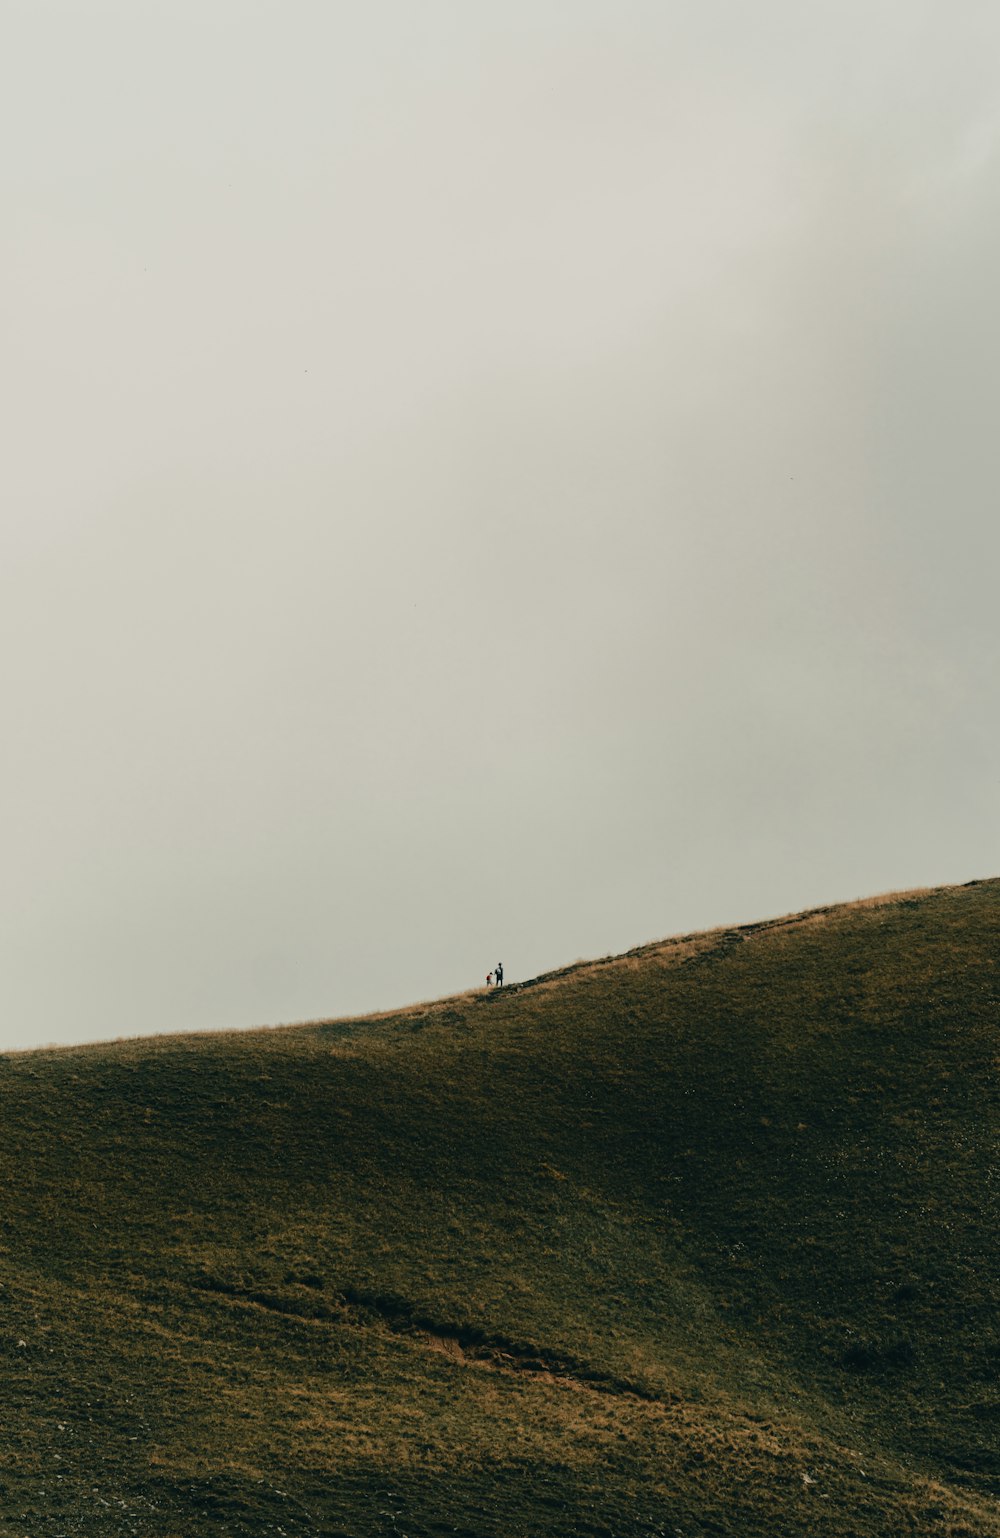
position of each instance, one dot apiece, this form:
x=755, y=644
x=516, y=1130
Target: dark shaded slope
x=696, y=1240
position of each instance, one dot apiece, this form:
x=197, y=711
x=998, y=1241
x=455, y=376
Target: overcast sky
x=483, y=482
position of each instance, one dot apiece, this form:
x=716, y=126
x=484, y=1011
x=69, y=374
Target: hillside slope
x=702, y=1239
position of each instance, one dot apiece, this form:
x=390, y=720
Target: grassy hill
x=697, y=1240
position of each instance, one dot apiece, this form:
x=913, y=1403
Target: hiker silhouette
x=499, y=974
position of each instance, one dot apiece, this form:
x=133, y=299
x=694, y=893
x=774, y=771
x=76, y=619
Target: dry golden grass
x=697, y=1240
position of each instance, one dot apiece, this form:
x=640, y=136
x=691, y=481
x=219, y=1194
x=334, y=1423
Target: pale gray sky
x=483, y=482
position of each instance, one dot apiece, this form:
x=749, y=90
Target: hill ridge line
x=726, y=938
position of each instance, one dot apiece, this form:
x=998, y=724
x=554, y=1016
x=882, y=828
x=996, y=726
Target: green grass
x=700, y=1240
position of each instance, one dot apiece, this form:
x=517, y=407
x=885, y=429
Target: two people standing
x=498, y=975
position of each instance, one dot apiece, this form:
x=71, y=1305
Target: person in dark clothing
x=499, y=974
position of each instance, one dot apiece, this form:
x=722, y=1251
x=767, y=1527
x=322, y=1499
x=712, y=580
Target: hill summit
x=697, y=1240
